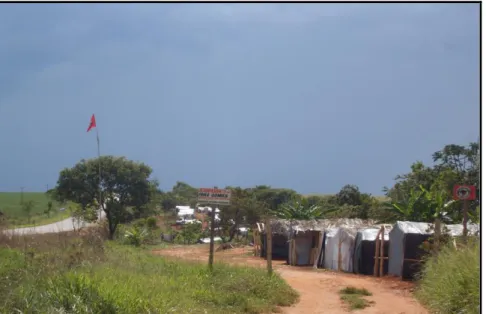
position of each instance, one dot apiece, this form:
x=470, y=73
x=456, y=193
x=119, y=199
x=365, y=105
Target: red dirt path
x=318, y=289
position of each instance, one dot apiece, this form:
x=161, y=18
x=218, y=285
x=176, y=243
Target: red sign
x=464, y=192
x=214, y=196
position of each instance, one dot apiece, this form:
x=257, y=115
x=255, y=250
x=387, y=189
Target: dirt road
x=318, y=289
x=68, y=224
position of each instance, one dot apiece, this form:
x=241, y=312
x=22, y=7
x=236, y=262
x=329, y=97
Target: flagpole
x=99, y=171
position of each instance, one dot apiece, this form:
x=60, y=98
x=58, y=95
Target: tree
x=27, y=208
x=299, y=209
x=168, y=201
x=349, y=195
x=124, y=184
x=184, y=194
x=49, y=209
x=454, y=164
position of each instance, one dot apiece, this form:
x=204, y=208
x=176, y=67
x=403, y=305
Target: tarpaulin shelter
x=337, y=253
x=305, y=239
x=364, y=251
x=405, y=254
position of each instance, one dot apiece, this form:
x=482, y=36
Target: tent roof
x=427, y=228
x=285, y=226
x=369, y=234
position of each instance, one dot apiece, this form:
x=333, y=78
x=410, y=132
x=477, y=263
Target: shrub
x=152, y=222
x=136, y=236
x=451, y=283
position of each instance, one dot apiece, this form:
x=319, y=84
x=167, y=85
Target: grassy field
x=10, y=206
x=65, y=274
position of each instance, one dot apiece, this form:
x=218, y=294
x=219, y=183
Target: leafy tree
x=349, y=195
x=273, y=198
x=49, y=209
x=27, y=208
x=168, y=201
x=185, y=194
x=124, y=184
x=136, y=236
x=190, y=233
x=454, y=164
x=299, y=209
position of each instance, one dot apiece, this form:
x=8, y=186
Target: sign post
x=213, y=197
x=465, y=193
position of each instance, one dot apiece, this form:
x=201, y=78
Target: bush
x=451, y=284
x=152, y=223
x=137, y=236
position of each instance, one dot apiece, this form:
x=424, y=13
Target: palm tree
x=299, y=209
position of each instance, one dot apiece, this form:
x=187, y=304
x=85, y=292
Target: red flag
x=92, y=123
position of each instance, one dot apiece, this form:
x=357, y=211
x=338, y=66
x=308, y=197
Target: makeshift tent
x=305, y=238
x=185, y=211
x=405, y=254
x=364, y=251
x=339, y=249
x=280, y=246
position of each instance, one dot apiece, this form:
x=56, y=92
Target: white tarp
x=344, y=237
x=184, y=211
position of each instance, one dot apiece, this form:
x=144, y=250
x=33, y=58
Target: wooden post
x=211, y=239
x=382, y=249
x=377, y=252
x=339, y=256
x=294, y=252
x=268, y=229
x=437, y=232
x=465, y=217
x=318, y=250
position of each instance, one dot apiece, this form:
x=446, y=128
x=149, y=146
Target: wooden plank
x=268, y=228
x=377, y=255
x=319, y=249
x=382, y=249
x=294, y=252
x=339, y=256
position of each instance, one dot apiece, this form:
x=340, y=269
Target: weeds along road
x=65, y=225
x=319, y=290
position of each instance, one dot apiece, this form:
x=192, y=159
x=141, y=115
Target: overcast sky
x=304, y=96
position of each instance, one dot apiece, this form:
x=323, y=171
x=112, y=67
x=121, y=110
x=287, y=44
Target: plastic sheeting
x=364, y=252
x=405, y=238
x=344, y=237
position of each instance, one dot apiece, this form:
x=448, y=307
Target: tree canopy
x=126, y=188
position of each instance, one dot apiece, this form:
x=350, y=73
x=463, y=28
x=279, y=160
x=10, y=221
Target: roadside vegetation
x=354, y=298
x=452, y=282
x=71, y=274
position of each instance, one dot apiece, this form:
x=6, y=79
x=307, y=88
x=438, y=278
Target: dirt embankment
x=318, y=289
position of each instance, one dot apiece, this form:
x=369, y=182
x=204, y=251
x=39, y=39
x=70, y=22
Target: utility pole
x=211, y=238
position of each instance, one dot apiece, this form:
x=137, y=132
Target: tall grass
x=86, y=275
x=451, y=284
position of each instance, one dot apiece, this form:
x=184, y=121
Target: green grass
x=353, y=297
x=10, y=206
x=87, y=276
x=452, y=283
